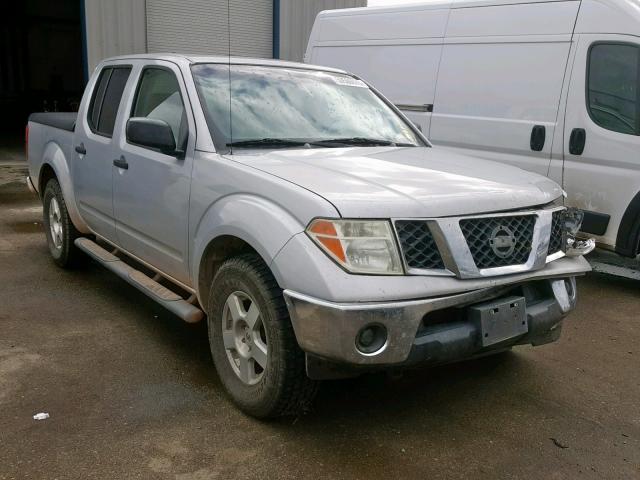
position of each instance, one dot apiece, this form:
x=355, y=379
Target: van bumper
x=329, y=331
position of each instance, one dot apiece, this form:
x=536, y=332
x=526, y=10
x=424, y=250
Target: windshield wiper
x=267, y=142
x=361, y=142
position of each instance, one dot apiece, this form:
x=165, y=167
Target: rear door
x=602, y=133
x=94, y=150
x=151, y=196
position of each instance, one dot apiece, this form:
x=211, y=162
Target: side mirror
x=152, y=133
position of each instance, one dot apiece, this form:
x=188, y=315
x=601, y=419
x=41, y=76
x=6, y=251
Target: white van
x=552, y=86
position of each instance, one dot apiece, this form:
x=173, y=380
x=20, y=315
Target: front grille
x=555, y=242
x=418, y=246
x=499, y=241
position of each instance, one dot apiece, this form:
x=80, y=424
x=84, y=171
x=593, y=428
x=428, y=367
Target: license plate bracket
x=500, y=320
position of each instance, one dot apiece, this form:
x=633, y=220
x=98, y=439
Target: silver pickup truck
x=301, y=214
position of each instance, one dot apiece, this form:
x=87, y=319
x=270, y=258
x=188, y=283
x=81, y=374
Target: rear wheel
x=60, y=231
x=252, y=341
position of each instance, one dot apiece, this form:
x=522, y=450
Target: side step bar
x=165, y=297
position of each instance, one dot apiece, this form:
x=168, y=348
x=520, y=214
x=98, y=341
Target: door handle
x=121, y=163
x=538, y=137
x=577, y=141
x=80, y=149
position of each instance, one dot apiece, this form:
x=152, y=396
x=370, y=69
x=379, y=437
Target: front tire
x=59, y=229
x=252, y=341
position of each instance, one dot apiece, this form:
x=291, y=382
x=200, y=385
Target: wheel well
x=46, y=174
x=628, y=240
x=219, y=250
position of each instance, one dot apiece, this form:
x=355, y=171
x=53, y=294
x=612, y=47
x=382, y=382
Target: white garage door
x=201, y=27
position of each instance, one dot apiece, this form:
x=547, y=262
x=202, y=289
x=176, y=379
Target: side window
x=159, y=98
x=612, y=87
x=106, y=99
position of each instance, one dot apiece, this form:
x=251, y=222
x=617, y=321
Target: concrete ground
x=131, y=391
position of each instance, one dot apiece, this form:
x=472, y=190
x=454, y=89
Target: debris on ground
x=557, y=443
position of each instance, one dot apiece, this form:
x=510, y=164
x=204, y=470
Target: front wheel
x=252, y=341
x=60, y=231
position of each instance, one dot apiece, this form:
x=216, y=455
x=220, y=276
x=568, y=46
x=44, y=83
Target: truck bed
x=62, y=120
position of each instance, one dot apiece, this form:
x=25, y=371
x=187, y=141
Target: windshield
x=283, y=107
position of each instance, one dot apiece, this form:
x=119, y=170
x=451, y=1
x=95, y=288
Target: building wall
x=296, y=21
x=114, y=27
x=121, y=27
x=202, y=27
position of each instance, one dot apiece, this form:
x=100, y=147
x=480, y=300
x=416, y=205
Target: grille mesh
x=555, y=242
x=478, y=234
x=418, y=246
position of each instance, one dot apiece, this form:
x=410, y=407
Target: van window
x=159, y=98
x=613, y=82
x=106, y=99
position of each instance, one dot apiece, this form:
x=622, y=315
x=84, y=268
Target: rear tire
x=253, y=343
x=59, y=229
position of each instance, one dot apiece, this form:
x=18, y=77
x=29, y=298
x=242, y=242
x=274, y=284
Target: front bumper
x=329, y=330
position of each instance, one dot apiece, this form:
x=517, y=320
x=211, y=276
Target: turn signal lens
x=360, y=246
x=324, y=232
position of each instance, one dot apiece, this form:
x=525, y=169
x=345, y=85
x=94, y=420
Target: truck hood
x=394, y=182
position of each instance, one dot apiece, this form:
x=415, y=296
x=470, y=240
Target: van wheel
x=59, y=229
x=252, y=341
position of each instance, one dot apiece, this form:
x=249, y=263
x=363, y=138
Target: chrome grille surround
x=457, y=256
x=556, y=243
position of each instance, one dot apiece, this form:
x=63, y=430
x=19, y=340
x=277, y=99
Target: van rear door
x=500, y=81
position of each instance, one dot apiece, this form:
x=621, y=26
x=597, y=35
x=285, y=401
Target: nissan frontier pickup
x=304, y=217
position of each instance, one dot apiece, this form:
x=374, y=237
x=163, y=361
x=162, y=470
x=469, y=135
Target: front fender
x=55, y=158
x=261, y=223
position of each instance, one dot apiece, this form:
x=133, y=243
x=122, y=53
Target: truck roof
x=193, y=59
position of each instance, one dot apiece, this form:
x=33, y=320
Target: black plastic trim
x=595, y=223
x=538, y=138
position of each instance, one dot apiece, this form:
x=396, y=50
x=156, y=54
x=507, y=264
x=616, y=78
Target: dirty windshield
x=286, y=107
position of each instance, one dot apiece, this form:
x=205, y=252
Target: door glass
x=159, y=98
x=106, y=99
x=613, y=87
x=98, y=97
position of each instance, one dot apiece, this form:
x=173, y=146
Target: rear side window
x=613, y=87
x=106, y=99
x=159, y=98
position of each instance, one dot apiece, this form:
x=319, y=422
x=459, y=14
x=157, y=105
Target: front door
x=601, y=136
x=93, y=151
x=151, y=195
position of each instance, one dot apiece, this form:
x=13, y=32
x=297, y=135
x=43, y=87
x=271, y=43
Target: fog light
x=371, y=338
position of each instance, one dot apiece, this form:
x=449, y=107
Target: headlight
x=359, y=246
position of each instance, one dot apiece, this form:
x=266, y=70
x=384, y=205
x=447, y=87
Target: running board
x=165, y=297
